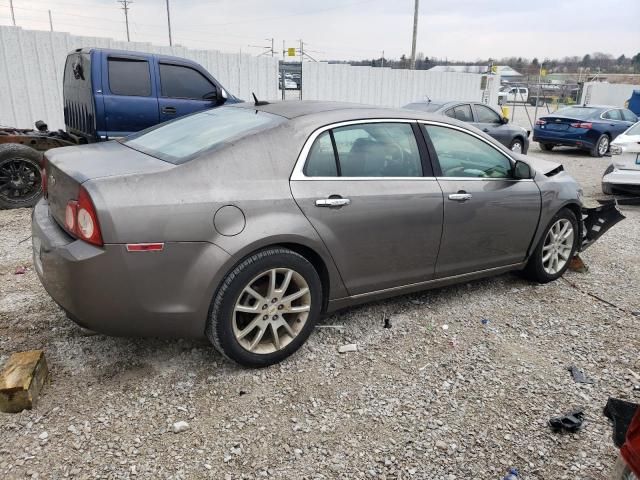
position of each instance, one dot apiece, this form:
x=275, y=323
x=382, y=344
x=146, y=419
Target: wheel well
x=577, y=211
x=318, y=263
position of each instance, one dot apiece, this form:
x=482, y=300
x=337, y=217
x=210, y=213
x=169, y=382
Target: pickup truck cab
x=112, y=93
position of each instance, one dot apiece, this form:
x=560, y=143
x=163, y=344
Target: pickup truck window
x=183, y=82
x=129, y=77
x=185, y=138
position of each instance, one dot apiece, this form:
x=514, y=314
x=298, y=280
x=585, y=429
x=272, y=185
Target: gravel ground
x=417, y=400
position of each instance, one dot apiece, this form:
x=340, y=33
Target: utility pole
x=382, y=65
x=50, y=21
x=412, y=65
x=13, y=17
x=125, y=6
x=169, y=23
x=272, y=52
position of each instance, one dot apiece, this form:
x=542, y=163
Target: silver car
x=246, y=223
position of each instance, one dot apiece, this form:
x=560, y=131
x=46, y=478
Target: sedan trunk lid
x=70, y=167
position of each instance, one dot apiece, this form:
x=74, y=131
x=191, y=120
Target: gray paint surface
x=397, y=235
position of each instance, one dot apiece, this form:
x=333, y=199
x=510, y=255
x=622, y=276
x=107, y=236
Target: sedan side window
x=612, y=115
x=486, y=115
x=629, y=116
x=377, y=150
x=463, y=155
x=321, y=161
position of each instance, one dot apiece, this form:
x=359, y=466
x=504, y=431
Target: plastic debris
x=445, y=327
x=571, y=422
x=512, y=474
x=387, y=323
x=180, y=426
x=578, y=375
x=577, y=265
x=21, y=270
x=484, y=321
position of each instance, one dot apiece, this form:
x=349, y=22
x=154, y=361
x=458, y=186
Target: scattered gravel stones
x=415, y=402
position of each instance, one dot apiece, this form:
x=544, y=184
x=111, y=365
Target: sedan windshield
x=635, y=130
x=183, y=139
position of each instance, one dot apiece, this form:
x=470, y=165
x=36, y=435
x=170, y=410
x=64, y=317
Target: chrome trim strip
x=436, y=280
x=476, y=179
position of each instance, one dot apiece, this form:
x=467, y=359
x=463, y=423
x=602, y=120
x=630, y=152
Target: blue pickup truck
x=108, y=94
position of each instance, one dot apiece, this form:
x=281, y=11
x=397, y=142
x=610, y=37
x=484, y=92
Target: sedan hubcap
x=557, y=246
x=516, y=147
x=604, y=146
x=271, y=310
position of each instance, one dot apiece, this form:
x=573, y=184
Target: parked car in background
x=509, y=94
x=623, y=175
x=589, y=127
x=480, y=116
x=633, y=103
x=291, y=210
x=107, y=94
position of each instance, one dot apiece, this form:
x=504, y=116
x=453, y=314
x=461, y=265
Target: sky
x=355, y=29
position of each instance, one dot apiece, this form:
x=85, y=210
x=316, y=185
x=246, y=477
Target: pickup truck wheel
x=20, y=181
x=556, y=248
x=547, y=147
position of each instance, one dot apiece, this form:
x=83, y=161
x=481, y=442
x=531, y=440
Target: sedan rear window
x=185, y=138
x=577, y=112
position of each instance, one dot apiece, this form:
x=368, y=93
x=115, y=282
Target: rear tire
x=601, y=147
x=547, y=147
x=540, y=266
x=621, y=471
x=607, y=189
x=251, y=320
x=20, y=182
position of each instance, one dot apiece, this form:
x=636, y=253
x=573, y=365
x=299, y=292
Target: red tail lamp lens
x=630, y=451
x=87, y=228
x=70, y=215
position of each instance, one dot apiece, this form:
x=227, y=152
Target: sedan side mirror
x=522, y=171
x=504, y=120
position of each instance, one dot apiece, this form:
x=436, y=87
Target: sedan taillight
x=43, y=176
x=541, y=122
x=81, y=219
x=586, y=125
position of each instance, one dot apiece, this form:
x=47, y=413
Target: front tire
x=20, y=181
x=265, y=308
x=555, y=250
x=601, y=147
x=516, y=145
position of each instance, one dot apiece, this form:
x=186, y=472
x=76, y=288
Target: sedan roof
x=334, y=111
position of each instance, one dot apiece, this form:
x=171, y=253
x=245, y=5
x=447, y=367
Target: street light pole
x=169, y=23
x=412, y=66
x=13, y=17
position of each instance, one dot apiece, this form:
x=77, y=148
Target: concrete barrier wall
x=32, y=64
x=600, y=93
x=392, y=88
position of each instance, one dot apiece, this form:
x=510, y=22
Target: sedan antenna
x=258, y=102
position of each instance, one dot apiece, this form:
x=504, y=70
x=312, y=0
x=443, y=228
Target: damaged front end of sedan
x=597, y=220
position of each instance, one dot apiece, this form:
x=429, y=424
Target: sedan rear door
x=488, y=120
x=367, y=188
x=489, y=217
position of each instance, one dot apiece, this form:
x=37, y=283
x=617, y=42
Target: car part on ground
x=294, y=244
x=570, y=422
x=623, y=175
x=625, y=419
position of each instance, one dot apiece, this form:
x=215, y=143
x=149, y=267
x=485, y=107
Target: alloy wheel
x=516, y=147
x=557, y=246
x=19, y=180
x=271, y=310
x=603, y=146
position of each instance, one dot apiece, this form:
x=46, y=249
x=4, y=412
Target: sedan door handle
x=333, y=202
x=460, y=197
x=169, y=110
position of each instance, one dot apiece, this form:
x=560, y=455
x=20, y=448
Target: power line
x=125, y=6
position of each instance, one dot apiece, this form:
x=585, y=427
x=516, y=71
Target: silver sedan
x=246, y=223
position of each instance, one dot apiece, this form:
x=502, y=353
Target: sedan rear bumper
x=568, y=139
x=113, y=291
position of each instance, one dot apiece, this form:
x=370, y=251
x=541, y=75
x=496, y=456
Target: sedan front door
x=488, y=120
x=489, y=217
x=368, y=190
